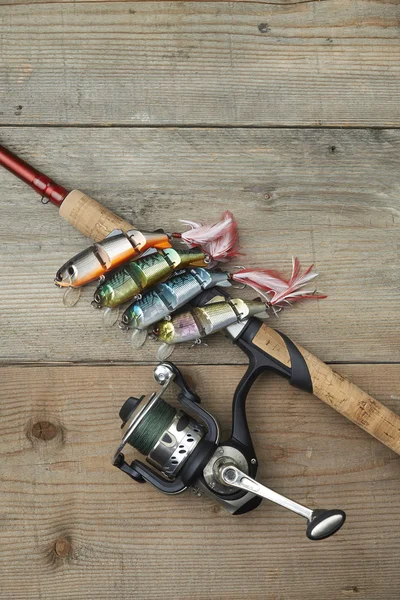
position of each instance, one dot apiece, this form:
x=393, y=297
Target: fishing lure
x=219, y=240
x=278, y=292
x=276, y=289
x=117, y=248
x=136, y=276
x=180, y=289
x=199, y=322
x=167, y=297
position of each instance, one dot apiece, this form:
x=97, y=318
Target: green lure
x=135, y=277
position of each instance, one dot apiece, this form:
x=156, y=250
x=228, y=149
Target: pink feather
x=282, y=291
x=220, y=240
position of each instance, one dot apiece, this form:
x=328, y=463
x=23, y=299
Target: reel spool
x=184, y=450
x=175, y=443
x=167, y=437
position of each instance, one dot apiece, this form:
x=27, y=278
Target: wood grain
x=72, y=522
x=330, y=197
x=195, y=63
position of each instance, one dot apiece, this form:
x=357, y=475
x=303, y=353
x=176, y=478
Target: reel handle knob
x=325, y=523
x=321, y=523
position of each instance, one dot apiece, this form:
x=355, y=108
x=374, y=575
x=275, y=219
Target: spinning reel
x=185, y=451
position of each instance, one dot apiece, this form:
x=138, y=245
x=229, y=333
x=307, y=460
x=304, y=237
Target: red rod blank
x=42, y=184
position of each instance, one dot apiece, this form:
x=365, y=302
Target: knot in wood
x=264, y=28
x=44, y=430
x=62, y=547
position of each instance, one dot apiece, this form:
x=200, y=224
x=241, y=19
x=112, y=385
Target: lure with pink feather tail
x=277, y=290
x=220, y=240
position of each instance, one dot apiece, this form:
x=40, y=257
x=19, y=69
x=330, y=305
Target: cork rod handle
x=339, y=393
x=90, y=217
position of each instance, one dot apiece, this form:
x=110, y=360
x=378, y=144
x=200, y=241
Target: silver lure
x=167, y=297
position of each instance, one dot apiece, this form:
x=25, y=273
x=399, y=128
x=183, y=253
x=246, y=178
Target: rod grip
x=90, y=217
x=338, y=392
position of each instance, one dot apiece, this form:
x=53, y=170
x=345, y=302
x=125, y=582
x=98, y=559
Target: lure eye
x=156, y=330
x=71, y=271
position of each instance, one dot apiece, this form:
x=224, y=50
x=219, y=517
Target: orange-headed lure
x=98, y=259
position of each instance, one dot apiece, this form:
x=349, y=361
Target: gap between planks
x=262, y=2
x=199, y=126
x=127, y=363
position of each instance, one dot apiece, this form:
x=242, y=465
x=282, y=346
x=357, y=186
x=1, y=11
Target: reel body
x=183, y=447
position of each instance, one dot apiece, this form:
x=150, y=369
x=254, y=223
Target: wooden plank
x=300, y=63
x=330, y=197
x=71, y=522
x=28, y=2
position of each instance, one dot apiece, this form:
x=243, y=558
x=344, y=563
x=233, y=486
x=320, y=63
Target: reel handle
x=270, y=349
x=321, y=523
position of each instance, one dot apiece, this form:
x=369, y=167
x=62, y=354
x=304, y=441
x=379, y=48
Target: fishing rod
x=184, y=451
x=271, y=350
x=116, y=240
x=266, y=347
x=87, y=215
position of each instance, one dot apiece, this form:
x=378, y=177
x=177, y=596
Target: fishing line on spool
x=152, y=426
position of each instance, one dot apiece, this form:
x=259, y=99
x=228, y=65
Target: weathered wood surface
x=71, y=525
x=74, y=527
x=330, y=197
x=286, y=63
